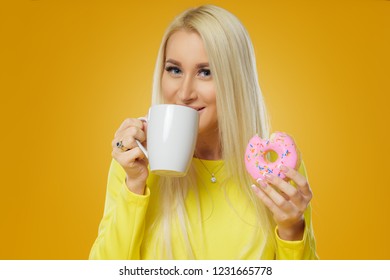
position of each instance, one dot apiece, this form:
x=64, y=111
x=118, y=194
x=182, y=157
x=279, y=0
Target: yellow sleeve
x=304, y=249
x=122, y=227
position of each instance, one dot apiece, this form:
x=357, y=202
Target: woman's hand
x=126, y=151
x=286, y=202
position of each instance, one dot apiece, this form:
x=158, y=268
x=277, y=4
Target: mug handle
x=139, y=143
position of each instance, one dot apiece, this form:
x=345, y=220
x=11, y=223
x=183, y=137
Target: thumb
x=144, y=126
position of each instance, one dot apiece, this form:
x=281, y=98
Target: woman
x=206, y=61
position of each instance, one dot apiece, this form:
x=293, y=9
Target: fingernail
x=262, y=183
x=268, y=177
x=254, y=188
x=283, y=168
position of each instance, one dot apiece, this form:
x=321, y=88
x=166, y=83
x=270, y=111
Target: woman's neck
x=208, y=147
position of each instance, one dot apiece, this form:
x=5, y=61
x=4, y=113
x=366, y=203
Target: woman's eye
x=173, y=70
x=205, y=73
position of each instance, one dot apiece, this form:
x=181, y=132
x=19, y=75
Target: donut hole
x=271, y=156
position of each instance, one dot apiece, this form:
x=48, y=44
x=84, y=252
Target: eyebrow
x=199, y=65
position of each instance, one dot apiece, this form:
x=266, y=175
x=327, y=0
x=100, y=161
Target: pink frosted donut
x=256, y=161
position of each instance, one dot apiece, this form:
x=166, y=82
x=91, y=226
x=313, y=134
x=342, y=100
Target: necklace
x=213, y=179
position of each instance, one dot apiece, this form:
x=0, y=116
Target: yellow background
x=72, y=70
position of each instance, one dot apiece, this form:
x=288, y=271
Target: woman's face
x=187, y=79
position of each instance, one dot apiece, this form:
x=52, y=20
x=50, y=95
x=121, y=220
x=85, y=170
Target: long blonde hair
x=240, y=108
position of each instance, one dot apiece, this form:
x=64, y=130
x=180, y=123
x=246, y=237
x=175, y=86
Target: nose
x=187, y=92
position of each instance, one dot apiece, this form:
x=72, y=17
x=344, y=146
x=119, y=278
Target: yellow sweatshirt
x=221, y=228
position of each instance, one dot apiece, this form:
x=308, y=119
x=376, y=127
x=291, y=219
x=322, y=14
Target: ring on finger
x=120, y=145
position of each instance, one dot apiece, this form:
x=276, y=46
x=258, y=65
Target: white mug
x=171, y=136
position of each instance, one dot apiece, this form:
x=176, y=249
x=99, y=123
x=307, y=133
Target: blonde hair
x=240, y=108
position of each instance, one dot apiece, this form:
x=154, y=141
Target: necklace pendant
x=213, y=179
